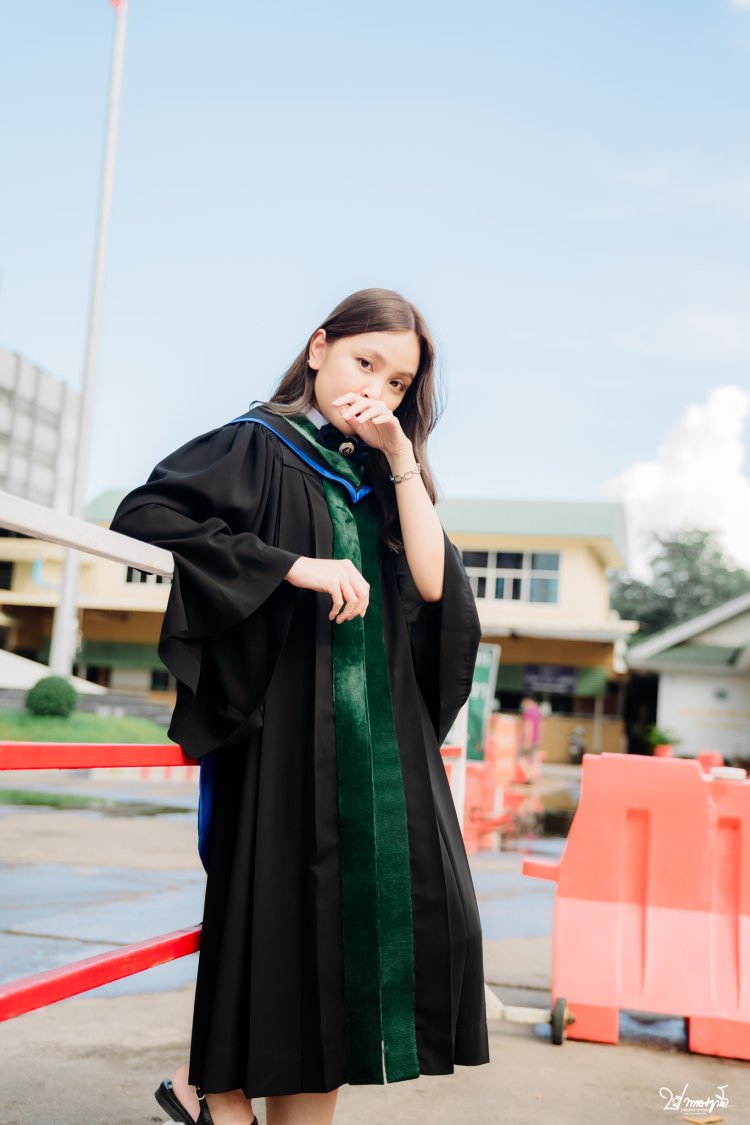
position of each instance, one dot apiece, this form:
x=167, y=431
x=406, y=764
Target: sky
x=562, y=189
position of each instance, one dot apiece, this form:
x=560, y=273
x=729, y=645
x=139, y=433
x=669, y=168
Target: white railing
x=33, y=519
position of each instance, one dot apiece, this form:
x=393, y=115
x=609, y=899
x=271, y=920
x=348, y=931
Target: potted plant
x=661, y=741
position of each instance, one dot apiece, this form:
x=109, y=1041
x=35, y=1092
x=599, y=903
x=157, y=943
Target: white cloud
x=695, y=480
x=743, y=5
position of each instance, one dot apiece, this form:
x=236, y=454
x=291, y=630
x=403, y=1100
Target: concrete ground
x=73, y=883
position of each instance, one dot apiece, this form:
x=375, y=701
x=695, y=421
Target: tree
x=690, y=573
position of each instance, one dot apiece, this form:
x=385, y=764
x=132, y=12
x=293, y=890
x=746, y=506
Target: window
x=543, y=590
x=134, y=575
x=161, y=680
x=476, y=558
x=518, y=576
x=95, y=673
x=6, y=575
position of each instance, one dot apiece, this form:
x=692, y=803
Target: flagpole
x=65, y=628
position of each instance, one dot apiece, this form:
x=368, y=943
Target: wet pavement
x=75, y=882
x=53, y=913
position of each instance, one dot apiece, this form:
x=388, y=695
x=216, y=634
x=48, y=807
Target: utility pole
x=65, y=624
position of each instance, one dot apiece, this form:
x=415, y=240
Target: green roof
x=719, y=655
x=103, y=507
x=577, y=519
x=111, y=654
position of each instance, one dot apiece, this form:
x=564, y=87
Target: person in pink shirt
x=531, y=733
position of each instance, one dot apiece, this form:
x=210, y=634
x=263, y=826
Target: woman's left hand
x=372, y=421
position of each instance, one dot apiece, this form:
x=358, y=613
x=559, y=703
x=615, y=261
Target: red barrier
x=37, y=991
x=652, y=906
x=483, y=815
x=83, y=755
x=41, y=989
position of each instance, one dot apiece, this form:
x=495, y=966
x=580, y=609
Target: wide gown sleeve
x=444, y=638
x=208, y=503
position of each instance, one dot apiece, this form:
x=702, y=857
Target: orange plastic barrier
x=502, y=746
x=652, y=906
x=503, y=742
x=483, y=811
x=709, y=758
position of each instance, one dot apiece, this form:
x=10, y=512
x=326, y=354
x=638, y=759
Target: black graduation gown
x=251, y=654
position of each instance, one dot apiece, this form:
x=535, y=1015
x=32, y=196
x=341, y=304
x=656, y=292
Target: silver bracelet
x=406, y=475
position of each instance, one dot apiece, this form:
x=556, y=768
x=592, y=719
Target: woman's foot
x=232, y=1108
x=184, y=1092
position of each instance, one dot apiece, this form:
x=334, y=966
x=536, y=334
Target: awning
x=112, y=654
x=588, y=681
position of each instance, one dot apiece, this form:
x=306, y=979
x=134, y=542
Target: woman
x=323, y=633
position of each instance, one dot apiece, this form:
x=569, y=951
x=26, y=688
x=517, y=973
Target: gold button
x=346, y=448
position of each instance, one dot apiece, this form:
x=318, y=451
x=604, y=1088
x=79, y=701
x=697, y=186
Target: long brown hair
x=376, y=310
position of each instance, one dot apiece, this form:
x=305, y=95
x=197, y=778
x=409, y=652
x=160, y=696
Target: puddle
x=106, y=805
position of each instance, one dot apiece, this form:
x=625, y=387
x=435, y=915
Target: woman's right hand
x=337, y=577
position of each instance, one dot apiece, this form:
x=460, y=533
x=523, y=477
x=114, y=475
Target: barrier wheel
x=560, y=1019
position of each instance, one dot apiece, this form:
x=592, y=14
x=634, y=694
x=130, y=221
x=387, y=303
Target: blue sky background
x=564, y=190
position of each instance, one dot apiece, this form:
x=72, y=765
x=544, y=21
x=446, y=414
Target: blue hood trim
x=355, y=493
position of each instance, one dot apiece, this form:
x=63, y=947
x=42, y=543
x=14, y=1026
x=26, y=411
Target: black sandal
x=169, y=1102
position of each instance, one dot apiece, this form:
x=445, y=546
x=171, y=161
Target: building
x=120, y=608
x=38, y=433
x=703, y=667
x=539, y=570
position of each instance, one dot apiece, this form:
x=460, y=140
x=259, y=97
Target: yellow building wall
x=543, y=650
x=34, y=624
x=586, y=588
x=99, y=578
x=557, y=729
x=134, y=628
x=583, y=591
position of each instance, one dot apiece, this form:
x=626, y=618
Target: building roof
x=718, y=655
x=577, y=519
x=591, y=520
x=103, y=507
x=678, y=644
x=692, y=627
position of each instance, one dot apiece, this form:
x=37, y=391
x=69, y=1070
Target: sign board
x=483, y=689
x=549, y=677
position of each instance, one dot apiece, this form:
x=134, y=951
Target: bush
x=52, y=695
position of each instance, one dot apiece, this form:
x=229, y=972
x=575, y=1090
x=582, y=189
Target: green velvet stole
x=377, y=923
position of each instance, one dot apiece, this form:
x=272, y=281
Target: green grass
x=80, y=726
x=78, y=801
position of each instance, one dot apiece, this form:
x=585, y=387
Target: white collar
x=315, y=416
